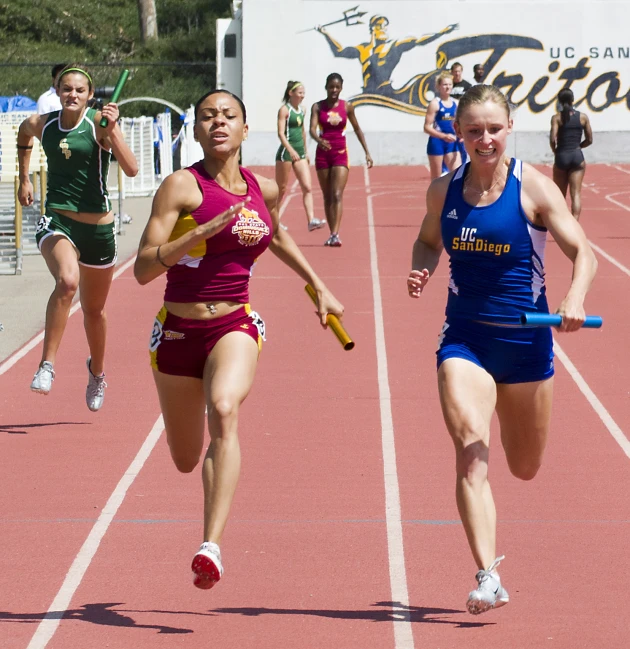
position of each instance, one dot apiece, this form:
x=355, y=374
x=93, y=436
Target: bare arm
x=313, y=130
x=429, y=121
x=357, y=129
x=588, y=132
x=283, y=247
x=553, y=133
x=337, y=48
x=111, y=137
x=428, y=247
x=542, y=199
x=29, y=129
x=178, y=194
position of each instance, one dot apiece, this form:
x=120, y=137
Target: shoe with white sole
x=43, y=379
x=95, y=391
x=489, y=592
x=206, y=566
x=315, y=224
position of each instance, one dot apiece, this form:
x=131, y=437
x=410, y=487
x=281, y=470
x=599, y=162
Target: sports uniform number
x=156, y=335
x=42, y=224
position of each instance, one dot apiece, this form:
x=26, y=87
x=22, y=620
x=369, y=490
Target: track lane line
x=33, y=342
x=50, y=623
x=595, y=403
x=403, y=635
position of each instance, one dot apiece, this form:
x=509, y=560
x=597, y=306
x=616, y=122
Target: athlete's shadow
x=388, y=612
x=95, y=614
x=17, y=429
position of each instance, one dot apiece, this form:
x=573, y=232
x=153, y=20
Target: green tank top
x=293, y=129
x=77, y=165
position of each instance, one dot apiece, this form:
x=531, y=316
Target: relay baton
x=117, y=90
x=333, y=322
x=555, y=320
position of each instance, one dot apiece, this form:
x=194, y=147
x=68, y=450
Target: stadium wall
x=530, y=49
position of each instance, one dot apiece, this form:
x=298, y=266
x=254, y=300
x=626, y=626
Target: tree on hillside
x=148, y=20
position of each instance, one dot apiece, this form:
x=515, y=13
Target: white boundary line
x=612, y=260
x=610, y=198
x=596, y=404
x=33, y=342
x=48, y=626
x=403, y=635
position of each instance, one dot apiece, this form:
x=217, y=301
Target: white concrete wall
x=531, y=49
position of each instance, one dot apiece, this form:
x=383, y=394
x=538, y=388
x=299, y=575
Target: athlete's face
x=74, y=91
x=445, y=87
x=297, y=95
x=333, y=89
x=484, y=129
x=219, y=126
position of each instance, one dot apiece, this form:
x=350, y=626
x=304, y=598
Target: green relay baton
x=117, y=90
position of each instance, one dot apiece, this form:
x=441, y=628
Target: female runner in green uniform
x=292, y=151
x=76, y=234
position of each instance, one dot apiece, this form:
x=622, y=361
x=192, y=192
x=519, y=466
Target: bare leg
x=62, y=261
x=303, y=175
x=283, y=169
x=323, y=176
x=452, y=160
x=435, y=165
x=561, y=178
x=468, y=398
x=94, y=288
x=338, y=180
x=524, y=411
x=228, y=377
x=575, y=190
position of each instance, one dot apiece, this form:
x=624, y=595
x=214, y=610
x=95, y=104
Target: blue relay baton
x=555, y=320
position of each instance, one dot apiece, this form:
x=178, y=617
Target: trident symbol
x=350, y=17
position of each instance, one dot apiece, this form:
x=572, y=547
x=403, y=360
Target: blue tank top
x=496, y=254
x=445, y=117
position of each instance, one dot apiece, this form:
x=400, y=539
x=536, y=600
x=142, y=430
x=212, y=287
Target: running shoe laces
x=489, y=592
x=95, y=391
x=206, y=566
x=42, y=381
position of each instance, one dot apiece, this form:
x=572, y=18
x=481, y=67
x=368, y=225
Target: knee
x=524, y=470
x=472, y=461
x=67, y=285
x=185, y=463
x=225, y=408
x=93, y=311
x=336, y=196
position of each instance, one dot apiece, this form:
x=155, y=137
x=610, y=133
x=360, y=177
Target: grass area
x=178, y=67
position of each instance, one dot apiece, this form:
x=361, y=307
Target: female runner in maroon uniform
x=330, y=117
x=208, y=224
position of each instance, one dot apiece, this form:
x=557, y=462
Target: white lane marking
x=612, y=260
x=596, y=404
x=403, y=636
x=623, y=206
x=287, y=199
x=48, y=626
x=625, y=171
x=33, y=342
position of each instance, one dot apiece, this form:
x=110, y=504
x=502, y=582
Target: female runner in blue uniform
x=492, y=216
x=565, y=139
x=438, y=124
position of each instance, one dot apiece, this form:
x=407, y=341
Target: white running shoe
x=206, y=566
x=95, y=391
x=316, y=224
x=43, y=379
x=489, y=592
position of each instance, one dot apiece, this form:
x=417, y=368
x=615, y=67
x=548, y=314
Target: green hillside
x=105, y=34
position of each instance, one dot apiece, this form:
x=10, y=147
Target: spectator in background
x=478, y=73
x=460, y=85
x=49, y=101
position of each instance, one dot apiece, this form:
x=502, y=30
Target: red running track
x=344, y=530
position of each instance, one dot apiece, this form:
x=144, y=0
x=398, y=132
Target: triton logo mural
x=379, y=56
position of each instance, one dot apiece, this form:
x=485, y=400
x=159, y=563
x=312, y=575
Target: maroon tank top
x=219, y=268
x=332, y=121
